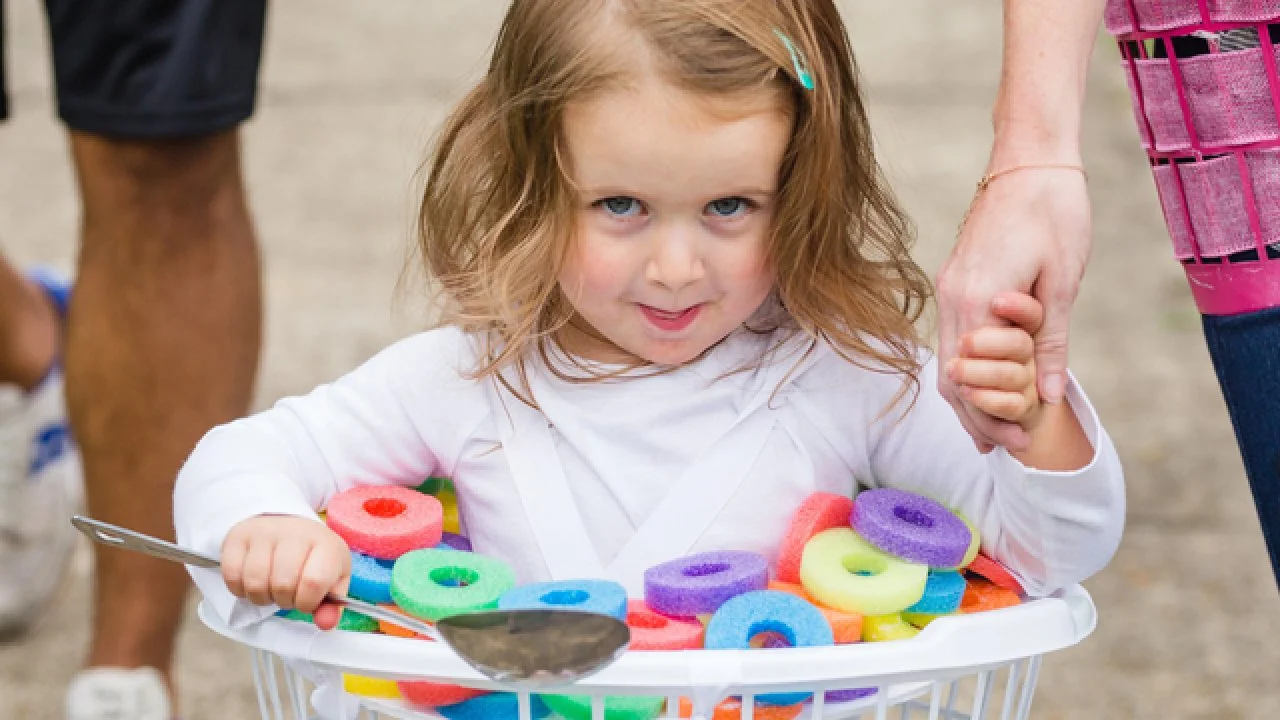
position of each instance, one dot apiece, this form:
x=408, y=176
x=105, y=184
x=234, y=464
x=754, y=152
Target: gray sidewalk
x=351, y=93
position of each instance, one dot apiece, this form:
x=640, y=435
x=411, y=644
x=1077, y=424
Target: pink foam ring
x=1160, y=99
x=995, y=572
x=386, y=521
x=820, y=511
x=1169, y=189
x=651, y=630
x=422, y=693
x=1215, y=200
x=911, y=526
x=1230, y=98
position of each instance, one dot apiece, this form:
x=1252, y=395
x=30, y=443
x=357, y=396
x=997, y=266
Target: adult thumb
x=1051, y=350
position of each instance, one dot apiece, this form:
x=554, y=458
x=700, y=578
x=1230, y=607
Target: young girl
x=678, y=301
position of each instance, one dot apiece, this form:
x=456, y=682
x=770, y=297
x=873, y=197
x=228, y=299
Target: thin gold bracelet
x=987, y=179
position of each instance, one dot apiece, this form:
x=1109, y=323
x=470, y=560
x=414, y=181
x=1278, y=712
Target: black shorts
x=153, y=68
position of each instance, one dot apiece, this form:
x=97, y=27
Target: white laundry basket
x=964, y=666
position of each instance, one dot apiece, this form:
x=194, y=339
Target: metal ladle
x=525, y=648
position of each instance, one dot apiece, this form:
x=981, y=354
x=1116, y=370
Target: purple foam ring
x=844, y=696
x=700, y=584
x=910, y=526
x=457, y=542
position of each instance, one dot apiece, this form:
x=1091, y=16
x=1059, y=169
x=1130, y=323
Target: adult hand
x=1028, y=231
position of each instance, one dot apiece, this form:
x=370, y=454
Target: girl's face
x=675, y=197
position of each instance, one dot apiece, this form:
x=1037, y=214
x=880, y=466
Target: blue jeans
x=1246, y=356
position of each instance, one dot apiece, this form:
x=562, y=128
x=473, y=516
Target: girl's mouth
x=670, y=321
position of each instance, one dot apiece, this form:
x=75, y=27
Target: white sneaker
x=118, y=694
x=40, y=488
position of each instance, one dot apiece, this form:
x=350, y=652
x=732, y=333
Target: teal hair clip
x=797, y=61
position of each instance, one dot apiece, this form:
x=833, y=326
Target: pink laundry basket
x=1210, y=124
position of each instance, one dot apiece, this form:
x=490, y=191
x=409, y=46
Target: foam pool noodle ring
x=921, y=620
x=942, y=593
x=434, y=584
x=603, y=597
x=651, y=630
x=370, y=687
x=431, y=485
x=975, y=542
x=846, y=627
x=820, y=511
x=578, y=707
x=983, y=595
x=844, y=696
x=745, y=616
x=387, y=628
x=370, y=578
x=494, y=706
x=731, y=709
x=350, y=620
x=842, y=571
x=911, y=527
x=882, y=628
x=427, y=694
x=454, y=541
x=700, y=584
x=385, y=521
x=984, y=566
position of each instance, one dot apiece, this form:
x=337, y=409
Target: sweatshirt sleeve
x=397, y=419
x=1051, y=529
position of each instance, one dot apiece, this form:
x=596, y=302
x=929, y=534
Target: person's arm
x=250, y=489
x=1029, y=230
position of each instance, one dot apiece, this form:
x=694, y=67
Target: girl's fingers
x=327, y=616
x=1023, y=310
x=1007, y=406
x=232, y=558
x=991, y=374
x=998, y=343
x=318, y=577
x=257, y=572
x=286, y=569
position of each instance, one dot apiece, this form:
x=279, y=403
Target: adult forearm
x=1047, y=46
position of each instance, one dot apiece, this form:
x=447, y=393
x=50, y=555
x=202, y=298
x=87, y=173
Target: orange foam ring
x=845, y=626
x=981, y=595
x=731, y=709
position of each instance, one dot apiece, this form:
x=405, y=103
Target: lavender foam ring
x=911, y=527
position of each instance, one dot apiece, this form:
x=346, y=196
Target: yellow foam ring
x=704, y=618
x=880, y=628
x=975, y=541
x=370, y=687
x=920, y=620
x=449, y=501
x=842, y=571
x=324, y=516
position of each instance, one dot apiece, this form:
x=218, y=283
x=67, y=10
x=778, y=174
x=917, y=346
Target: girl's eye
x=728, y=207
x=620, y=206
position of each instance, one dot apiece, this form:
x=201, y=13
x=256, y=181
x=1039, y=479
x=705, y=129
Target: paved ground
x=350, y=95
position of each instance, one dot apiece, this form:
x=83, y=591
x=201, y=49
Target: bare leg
x=28, y=330
x=163, y=339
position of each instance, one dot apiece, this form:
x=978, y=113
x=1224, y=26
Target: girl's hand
x=290, y=561
x=995, y=369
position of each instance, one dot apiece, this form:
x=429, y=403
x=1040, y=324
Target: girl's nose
x=676, y=261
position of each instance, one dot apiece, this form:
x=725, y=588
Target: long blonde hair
x=497, y=214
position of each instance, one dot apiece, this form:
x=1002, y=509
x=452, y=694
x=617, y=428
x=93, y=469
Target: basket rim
x=949, y=647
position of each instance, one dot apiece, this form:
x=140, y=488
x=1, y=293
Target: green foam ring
x=350, y=620
x=619, y=707
x=433, y=584
x=975, y=541
x=843, y=571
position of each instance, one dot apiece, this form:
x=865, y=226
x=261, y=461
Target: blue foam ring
x=943, y=592
x=370, y=578
x=746, y=616
x=494, y=706
x=604, y=597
